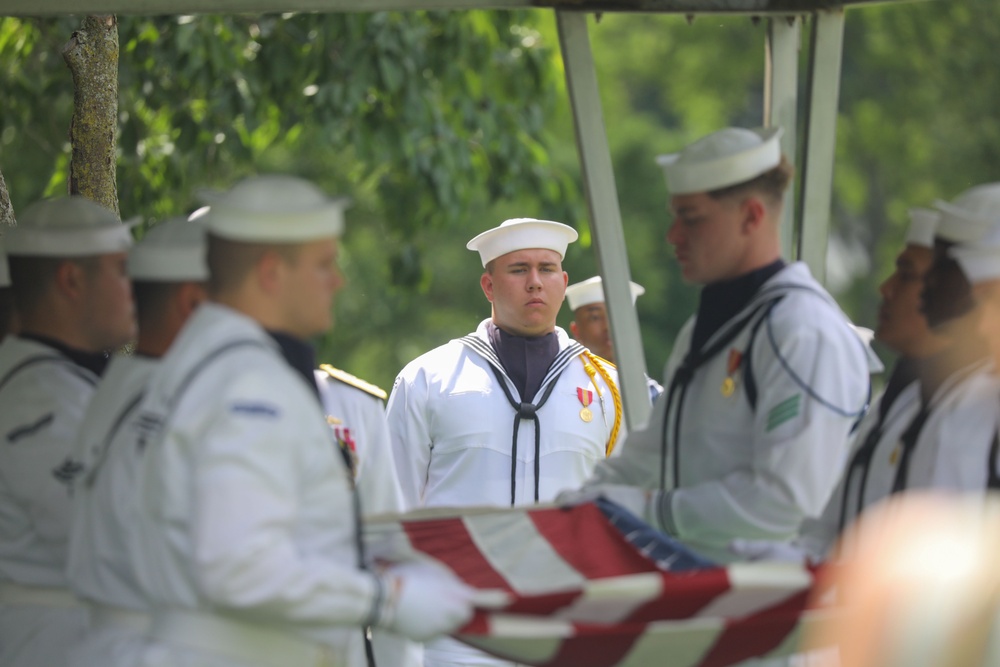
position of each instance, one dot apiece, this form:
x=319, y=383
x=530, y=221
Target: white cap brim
x=273, y=209
x=167, y=264
x=55, y=242
x=923, y=226
x=979, y=264
x=171, y=251
x=522, y=234
x=591, y=291
x=692, y=170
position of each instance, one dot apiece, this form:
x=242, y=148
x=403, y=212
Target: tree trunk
x=92, y=57
x=6, y=210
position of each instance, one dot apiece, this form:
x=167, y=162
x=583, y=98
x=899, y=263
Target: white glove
x=574, y=497
x=632, y=498
x=785, y=552
x=421, y=601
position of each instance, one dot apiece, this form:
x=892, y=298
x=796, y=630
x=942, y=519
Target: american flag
x=592, y=586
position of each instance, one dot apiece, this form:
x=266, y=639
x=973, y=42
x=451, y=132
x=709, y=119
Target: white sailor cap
x=521, y=234
x=591, y=291
x=727, y=157
x=170, y=251
x=4, y=269
x=971, y=215
x=71, y=226
x=273, y=209
x=923, y=225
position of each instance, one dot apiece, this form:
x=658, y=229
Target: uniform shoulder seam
x=354, y=381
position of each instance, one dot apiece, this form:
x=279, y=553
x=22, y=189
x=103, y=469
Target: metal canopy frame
x=155, y=7
x=785, y=21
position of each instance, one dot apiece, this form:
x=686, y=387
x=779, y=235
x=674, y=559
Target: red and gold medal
x=732, y=365
x=586, y=398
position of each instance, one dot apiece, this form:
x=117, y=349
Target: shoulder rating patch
x=783, y=411
x=255, y=409
x=353, y=381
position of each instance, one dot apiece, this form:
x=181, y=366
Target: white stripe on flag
x=532, y=639
x=674, y=643
x=608, y=601
x=756, y=586
x=524, y=558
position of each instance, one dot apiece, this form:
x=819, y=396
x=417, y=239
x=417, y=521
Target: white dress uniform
x=735, y=470
x=355, y=410
x=246, y=538
x=954, y=448
x=854, y=492
x=43, y=395
x=453, y=428
x=98, y=567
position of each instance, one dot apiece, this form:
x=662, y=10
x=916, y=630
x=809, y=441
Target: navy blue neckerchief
x=524, y=409
x=95, y=362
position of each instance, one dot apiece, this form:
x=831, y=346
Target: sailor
x=246, y=537
x=168, y=273
x=980, y=263
x=355, y=411
x=946, y=444
x=67, y=266
x=939, y=430
x=512, y=413
x=765, y=382
x=590, y=321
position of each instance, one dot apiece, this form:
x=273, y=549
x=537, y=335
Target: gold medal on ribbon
x=586, y=397
x=733, y=364
x=728, y=387
x=894, y=456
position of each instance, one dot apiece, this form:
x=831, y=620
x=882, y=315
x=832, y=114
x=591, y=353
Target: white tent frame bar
x=178, y=7
x=781, y=85
x=785, y=17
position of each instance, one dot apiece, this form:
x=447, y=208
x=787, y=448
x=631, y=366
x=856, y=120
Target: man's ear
x=575, y=330
x=190, y=296
x=70, y=279
x=486, y=282
x=754, y=212
x=269, y=271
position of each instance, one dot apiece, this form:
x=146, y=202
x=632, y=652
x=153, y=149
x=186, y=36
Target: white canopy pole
x=825, y=53
x=605, y=216
x=781, y=92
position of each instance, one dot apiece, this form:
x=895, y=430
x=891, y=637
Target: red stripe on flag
x=606, y=552
x=756, y=635
x=542, y=605
x=596, y=646
x=449, y=541
x=683, y=595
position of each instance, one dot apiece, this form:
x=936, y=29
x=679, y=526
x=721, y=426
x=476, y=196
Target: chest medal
x=728, y=387
x=586, y=398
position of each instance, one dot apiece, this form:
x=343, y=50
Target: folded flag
x=593, y=586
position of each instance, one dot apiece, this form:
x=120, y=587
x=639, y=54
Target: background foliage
x=440, y=125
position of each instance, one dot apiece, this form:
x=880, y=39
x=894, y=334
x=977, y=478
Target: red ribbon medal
x=586, y=398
